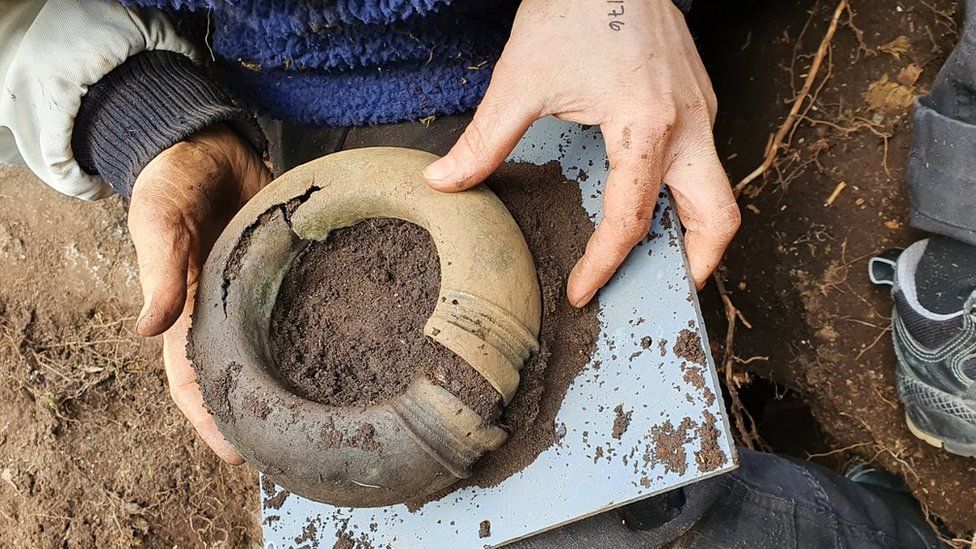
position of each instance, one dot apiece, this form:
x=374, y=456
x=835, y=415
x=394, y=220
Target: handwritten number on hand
x=615, y=14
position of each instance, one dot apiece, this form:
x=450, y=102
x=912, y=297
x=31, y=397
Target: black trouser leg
x=942, y=165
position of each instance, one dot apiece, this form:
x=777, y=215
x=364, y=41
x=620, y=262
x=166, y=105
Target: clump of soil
x=484, y=529
x=621, y=422
x=669, y=446
x=276, y=496
x=347, y=327
x=711, y=456
x=689, y=347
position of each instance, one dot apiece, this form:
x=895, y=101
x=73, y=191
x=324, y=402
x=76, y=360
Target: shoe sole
x=965, y=450
x=904, y=379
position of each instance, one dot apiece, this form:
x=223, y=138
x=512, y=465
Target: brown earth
x=797, y=270
x=93, y=453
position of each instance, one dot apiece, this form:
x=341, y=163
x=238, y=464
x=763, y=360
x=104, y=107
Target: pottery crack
x=233, y=267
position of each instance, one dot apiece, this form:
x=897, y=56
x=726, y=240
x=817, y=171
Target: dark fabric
x=294, y=144
x=930, y=333
x=769, y=502
x=942, y=165
x=946, y=274
x=149, y=103
x=969, y=368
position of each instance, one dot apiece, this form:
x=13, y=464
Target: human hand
x=646, y=88
x=180, y=203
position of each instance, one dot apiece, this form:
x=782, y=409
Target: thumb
x=163, y=249
x=500, y=121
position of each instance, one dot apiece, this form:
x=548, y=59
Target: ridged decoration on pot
x=488, y=313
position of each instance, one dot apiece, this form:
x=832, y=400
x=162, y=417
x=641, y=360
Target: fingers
x=706, y=206
x=162, y=244
x=500, y=121
x=186, y=394
x=637, y=162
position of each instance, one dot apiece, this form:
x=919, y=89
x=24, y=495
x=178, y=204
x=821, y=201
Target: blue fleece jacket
x=354, y=62
x=334, y=62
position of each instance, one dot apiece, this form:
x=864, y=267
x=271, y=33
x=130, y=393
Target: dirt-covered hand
x=181, y=202
x=631, y=68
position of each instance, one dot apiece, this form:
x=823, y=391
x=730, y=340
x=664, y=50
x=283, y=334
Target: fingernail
x=581, y=302
x=440, y=170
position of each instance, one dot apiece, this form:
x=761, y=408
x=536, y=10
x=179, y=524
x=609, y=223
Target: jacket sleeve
x=51, y=53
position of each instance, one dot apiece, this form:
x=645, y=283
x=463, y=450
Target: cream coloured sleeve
x=50, y=52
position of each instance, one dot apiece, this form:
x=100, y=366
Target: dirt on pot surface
x=93, y=453
x=797, y=269
x=348, y=325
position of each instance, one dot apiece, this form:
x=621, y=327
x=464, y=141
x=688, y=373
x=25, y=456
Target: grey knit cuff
x=150, y=102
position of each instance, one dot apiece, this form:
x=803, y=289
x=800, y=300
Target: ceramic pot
x=488, y=313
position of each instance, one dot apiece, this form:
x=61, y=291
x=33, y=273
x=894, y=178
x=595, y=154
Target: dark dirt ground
x=93, y=452
x=797, y=270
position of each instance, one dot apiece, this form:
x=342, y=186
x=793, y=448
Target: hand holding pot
x=631, y=68
x=181, y=202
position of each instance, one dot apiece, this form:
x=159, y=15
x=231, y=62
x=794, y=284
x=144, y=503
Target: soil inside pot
x=347, y=328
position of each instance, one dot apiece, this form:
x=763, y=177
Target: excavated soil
x=798, y=268
x=93, y=452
